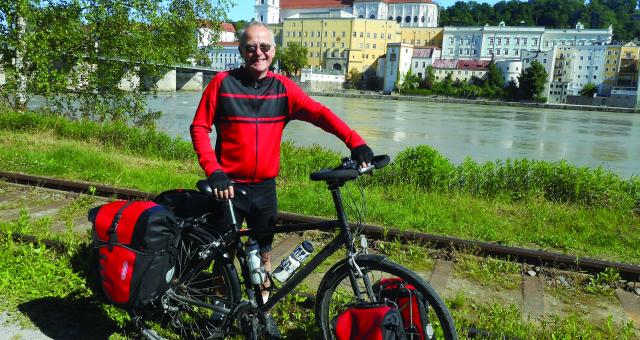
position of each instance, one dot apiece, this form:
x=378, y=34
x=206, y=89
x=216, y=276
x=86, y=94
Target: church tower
x=267, y=11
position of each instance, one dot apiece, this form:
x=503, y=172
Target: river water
x=484, y=133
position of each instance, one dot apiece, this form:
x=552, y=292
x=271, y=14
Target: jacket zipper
x=255, y=93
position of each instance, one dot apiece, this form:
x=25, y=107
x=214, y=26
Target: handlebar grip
x=380, y=161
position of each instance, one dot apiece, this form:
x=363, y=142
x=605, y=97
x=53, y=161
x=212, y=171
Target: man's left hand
x=362, y=154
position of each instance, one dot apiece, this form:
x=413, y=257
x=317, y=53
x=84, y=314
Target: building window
x=415, y=18
x=506, y=41
x=398, y=19
x=453, y=40
x=374, y=45
x=333, y=34
x=491, y=51
x=498, y=52
x=422, y=19
x=389, y=37
x=354, y=34
x=361, y=34
x=407, y=19
x=506, y=52
x=416, y=64
x=524, y=41
x=491, y=41
x=516, y=52
x=344, y=34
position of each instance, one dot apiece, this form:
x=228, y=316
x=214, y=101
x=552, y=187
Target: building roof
x=473, y=64
x=295, y=4
x=228, y=43
x=445, y=63
x=398, y=1
x=228, y=27
x=422, y=52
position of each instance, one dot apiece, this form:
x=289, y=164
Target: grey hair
x=243, y=34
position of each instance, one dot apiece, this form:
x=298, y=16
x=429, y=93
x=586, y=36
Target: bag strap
x=113, y=235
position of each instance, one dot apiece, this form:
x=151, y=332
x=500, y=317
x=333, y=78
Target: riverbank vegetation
x=581, y=211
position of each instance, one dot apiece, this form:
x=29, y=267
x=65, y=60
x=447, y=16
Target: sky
x=244, y=8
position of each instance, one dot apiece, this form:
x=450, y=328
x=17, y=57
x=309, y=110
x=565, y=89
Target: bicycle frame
x=343, y=240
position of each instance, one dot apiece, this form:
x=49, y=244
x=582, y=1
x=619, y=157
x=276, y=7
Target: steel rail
x=523, y=255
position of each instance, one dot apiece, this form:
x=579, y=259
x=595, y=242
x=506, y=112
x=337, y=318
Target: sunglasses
x=252, y=48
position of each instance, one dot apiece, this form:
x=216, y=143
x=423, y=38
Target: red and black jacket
x=249, y=117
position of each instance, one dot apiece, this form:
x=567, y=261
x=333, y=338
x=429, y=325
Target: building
x=422, y=58
x=507, y=42
x=339, y=43
x=397, y=63
x=407, y=13
x=206, y=33
x=461, y=70
x=226, y=56
x=510, y=69
x=422, y=36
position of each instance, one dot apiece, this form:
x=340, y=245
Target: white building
x=462, y=70
x=398, y=63
x=226, y=56
x=510, y=69
x=408, y=13
x=325, y=76
x=423, y=57
x=507, y=42
x=570, y=68
x=267, y=11
x=206, y=34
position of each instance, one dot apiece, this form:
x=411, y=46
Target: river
x=484, y=133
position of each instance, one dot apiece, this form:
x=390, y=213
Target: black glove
x=219, y=180
x=362, y=154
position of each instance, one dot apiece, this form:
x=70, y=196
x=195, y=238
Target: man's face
x=256, y=59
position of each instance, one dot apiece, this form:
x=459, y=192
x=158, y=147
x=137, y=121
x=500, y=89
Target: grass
x=605, y=232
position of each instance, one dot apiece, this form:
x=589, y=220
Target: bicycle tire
x=335, y=293
x=214, y=285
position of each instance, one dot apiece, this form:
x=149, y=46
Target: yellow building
x=341, y=43
x=610, y=72
x=422, y=36
x=628, y=69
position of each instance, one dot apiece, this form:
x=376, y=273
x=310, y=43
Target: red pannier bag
x=136, y=243
x=411, y=305
x=369, y=321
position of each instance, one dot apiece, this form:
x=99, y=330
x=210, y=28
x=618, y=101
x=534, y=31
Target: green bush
x=147, y=141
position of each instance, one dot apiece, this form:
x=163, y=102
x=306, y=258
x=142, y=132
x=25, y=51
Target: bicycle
x=205, y=298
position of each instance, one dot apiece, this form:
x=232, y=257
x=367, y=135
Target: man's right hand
x=221, y=185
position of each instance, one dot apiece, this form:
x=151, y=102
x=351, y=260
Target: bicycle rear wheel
x=336, y=293
x=205, y=283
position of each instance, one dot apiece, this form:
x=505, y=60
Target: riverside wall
x=437, y=99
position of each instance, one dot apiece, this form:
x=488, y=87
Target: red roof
x=473, y=64
x=228, y=43
x=228, y=27
x=294, y=4
x=399, y=1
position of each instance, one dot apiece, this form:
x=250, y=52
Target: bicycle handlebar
x=349, y=170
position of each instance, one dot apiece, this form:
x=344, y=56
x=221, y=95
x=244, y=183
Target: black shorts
x=258, y=207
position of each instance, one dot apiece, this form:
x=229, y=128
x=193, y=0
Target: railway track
x=531, y=294
x=517, y=254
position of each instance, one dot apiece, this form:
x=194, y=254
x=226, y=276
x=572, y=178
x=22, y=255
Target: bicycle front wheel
x=337, y=292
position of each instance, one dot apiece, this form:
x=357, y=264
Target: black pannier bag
x=189, y=205
x=371, y=321
x=136, y=243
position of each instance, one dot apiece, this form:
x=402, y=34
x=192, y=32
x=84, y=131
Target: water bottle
x=292, y=262
x=254, y=262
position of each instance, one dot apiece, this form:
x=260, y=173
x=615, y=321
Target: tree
x=410, y=81
x=89, y=47
x=291, y=59
x=512, y=91
x=588, y=90
x=354, y=79
x=494, y=76
x=429, y=79
x=532, y=81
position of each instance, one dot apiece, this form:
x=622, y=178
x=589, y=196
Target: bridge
x=177, y=78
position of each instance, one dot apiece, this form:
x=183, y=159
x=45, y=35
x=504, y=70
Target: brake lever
x=366, y=169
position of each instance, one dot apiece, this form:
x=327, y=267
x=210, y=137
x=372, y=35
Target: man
x=249, y=108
